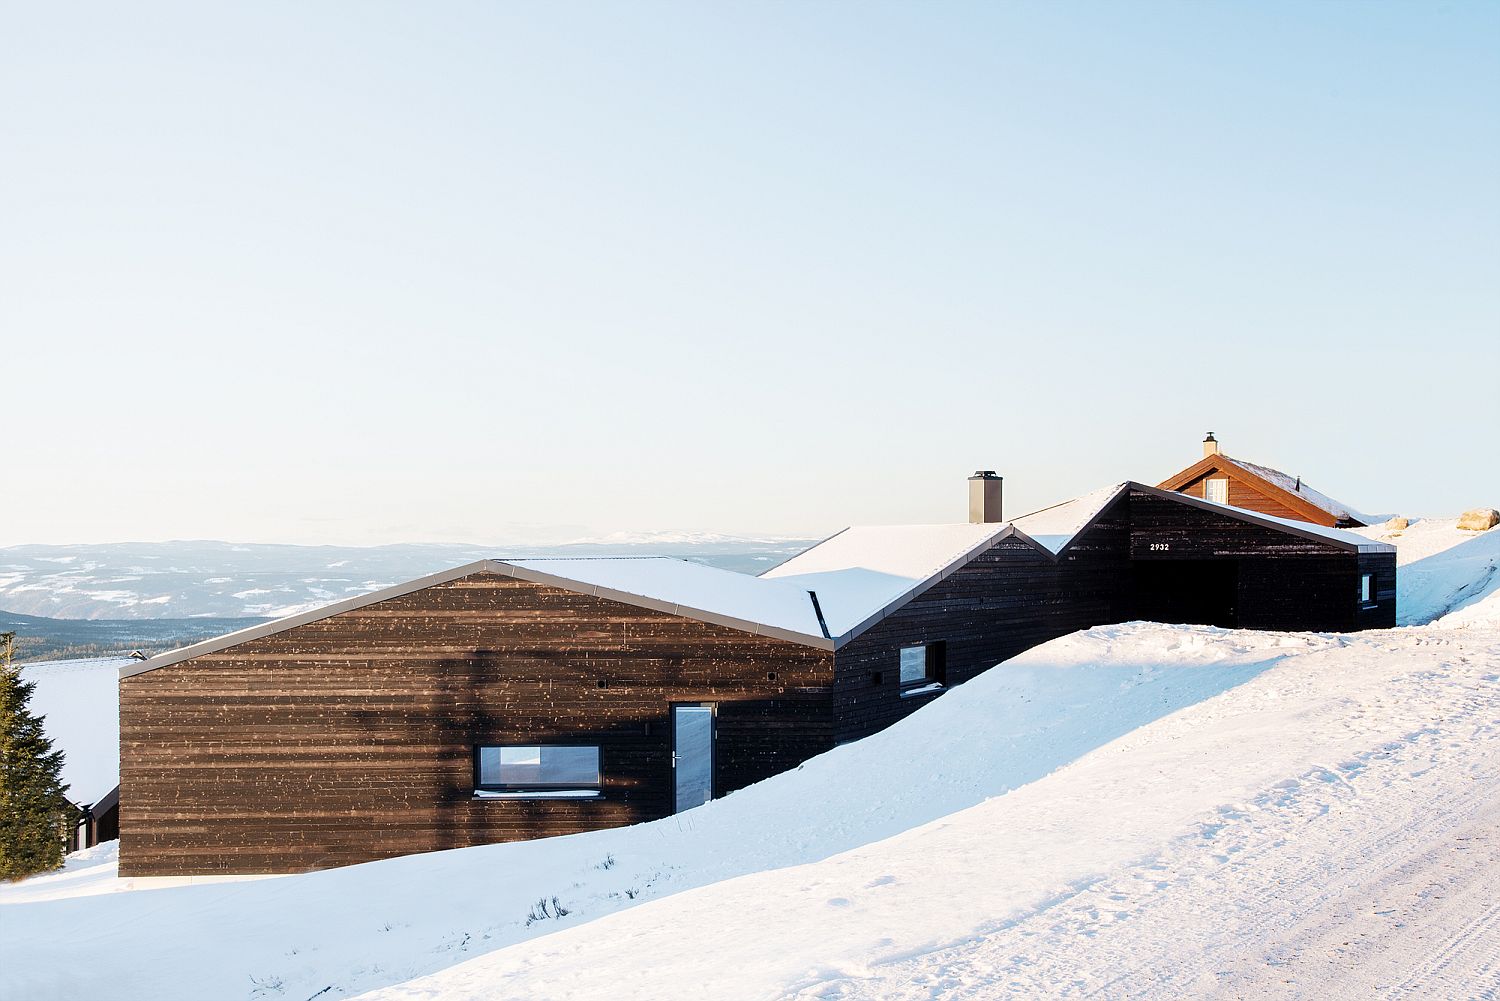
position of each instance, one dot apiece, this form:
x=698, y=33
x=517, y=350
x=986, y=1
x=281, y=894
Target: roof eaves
x=1110, y=502
x=218, y=643
x=922, y=586
x=501, y=567
x=1188, y=474
x=1254, y=475
x=1362, y=545
x=671, y=608
x=815, y=545
x=1016, y=533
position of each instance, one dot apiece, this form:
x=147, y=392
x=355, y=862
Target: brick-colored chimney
x=1210, y=445
x=984, y=497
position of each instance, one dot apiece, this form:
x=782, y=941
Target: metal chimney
x=984, y=497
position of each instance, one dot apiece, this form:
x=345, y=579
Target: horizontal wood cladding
x=351, y=738
x=1250, y=491
x=1382, y=613
x=1282, y=580
x=1189, y=531
x=1005, y=601
x=1243, y=495
x=1012, y=597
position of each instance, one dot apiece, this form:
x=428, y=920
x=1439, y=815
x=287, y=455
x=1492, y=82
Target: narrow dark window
x=1367, y=589
x=877, y=678
x=519, y=770
x=923, y=666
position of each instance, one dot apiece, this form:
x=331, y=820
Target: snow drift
x=384, y=922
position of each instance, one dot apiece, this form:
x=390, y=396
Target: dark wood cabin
x=507, y=700
x=1253, y=487
x=96, y=822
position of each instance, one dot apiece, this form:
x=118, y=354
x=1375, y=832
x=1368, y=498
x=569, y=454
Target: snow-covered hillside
x=1136, y=810
x=423, y=913
x=1196, y=766
x=1442, y=569
x=1325, y=830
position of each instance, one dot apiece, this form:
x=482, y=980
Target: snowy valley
x=1135, y=810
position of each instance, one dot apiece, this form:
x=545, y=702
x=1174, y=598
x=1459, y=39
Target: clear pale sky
x=364, y=273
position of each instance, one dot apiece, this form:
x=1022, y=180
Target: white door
x=693, y=755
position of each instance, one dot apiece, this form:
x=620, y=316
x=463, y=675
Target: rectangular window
x=1216, y=491
x=922, y=665
x=1367, y=588
x=542, y=769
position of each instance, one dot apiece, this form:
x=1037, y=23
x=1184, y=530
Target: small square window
x=922, y=664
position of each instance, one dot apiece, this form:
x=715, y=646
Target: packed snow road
x=1328, y=829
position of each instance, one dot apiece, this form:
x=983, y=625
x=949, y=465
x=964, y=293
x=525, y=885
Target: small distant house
x=97, y=822
x=514, y=699
x=78, y=701
x=1225, y=480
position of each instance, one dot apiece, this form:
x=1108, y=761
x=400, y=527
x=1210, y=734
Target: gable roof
x=1294, y=485
x=661, y=583
x=823, y=597
x=1055, y=527
x=1341, y=538
x=864, y=572
x=1290, y=491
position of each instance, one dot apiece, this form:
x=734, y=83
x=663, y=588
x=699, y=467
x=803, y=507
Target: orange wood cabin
x=1217, y=477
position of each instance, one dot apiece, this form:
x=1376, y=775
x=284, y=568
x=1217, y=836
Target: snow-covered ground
x=1442, y=570
x=1137, y=810
x=1329, y=828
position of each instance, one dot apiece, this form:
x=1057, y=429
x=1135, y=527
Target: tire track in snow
x=1468, y=960
x=1150, y=935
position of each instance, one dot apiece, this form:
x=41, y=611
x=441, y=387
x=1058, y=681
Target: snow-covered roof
x=862, y=571
x=1348, y=538
x=79, y=702
x=1054, y=527
x=689, y=587
x=823, y=596
x=1294, y=485
x=663, y=583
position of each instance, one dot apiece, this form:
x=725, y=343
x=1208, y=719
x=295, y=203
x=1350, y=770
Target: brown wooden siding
x=1243, y=495
x=351, y=738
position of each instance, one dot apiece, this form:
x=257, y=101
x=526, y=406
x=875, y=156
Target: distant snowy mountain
x=154, y=580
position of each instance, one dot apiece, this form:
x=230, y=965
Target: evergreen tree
x=33, y=807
